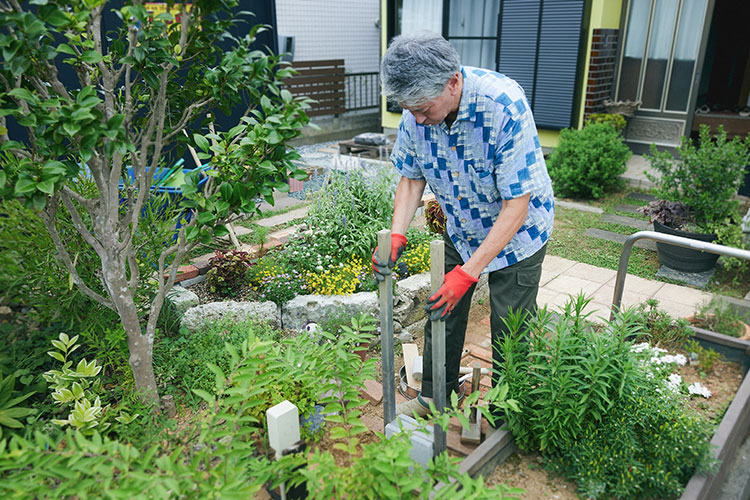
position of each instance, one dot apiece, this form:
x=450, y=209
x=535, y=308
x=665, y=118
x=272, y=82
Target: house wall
x=600, y=40
x=333, y=29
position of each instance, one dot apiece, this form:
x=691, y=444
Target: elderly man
x=469, y=134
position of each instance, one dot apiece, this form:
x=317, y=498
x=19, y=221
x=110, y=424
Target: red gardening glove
x=382, y=269
x=440, y=305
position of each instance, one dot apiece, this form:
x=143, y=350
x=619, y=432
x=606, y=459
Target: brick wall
x=601, y=75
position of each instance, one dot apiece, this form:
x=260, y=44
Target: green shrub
x=280, y=288
x=614, y=120
x=587, y=163
x=228, y=272
x=706, y=177
x=597, y=409
x=660, y=328
x=648, y=446
x=347, y=213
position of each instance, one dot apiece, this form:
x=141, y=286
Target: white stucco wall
x=333, y=29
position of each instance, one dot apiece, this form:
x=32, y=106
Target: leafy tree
x=143, y=89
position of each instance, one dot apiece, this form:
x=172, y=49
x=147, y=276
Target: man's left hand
x=456, y=283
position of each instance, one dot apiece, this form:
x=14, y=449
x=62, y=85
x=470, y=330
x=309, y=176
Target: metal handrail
x=664, y=238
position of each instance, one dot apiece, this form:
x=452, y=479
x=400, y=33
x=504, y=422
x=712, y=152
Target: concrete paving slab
x=629, y=299
x=639, y=285
x=553, y=300
x=573, y=285
x=682, y=294
x=638, y=224
x=676, y=309
x=557, y=265
x=591, y=273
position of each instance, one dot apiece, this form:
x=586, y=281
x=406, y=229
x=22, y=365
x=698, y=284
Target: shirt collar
x=467, y=106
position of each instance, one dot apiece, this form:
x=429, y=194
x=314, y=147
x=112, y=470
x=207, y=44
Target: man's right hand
x=382, y=269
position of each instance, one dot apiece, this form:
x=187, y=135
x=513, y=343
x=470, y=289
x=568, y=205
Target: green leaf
x=47, y=187
x=23, y=94
x=201, y=142
x=24, y=185
x=219, y=231
x=204, y=395
x=115, y=122
x=64, y=48
x=91, y=57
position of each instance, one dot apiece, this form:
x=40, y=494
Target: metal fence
x=362, y=90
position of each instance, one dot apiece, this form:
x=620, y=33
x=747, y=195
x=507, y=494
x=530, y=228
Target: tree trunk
x=140, y=346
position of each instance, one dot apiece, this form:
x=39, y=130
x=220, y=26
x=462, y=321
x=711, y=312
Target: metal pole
x=386, y=331
x=679, y=241
x=437, y=275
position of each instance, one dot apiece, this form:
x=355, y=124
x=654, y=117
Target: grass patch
x=570, y=242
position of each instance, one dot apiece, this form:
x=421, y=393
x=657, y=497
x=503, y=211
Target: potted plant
x=704, y=179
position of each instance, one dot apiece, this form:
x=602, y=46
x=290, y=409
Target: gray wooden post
x=437, y=275
x=386, y=331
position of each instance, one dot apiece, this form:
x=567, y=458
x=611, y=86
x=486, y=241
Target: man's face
x=434, y=112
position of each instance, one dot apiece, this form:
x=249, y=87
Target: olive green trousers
x=512, y=288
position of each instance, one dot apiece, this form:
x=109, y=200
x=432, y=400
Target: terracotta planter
x=681, y=258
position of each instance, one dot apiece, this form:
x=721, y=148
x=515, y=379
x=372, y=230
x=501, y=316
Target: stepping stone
x=639, y=224
x=578, y=206
x=627, y=208
x=699, y=280
x=619, y=238
x=642, y=196
x=276, y=220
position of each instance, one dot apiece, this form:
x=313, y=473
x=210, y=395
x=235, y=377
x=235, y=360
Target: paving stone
x=639, y=224
x=578, y=206
x=298, y=213
x=700, y=280
x=633, y=209
x=373, y=391
x=619, y=238
x=642, y=196
x=193, y=281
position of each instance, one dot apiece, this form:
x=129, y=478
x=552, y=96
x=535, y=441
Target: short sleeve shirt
x=490, y=154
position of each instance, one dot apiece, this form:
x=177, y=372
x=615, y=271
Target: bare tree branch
x=79, y=224
x=48, y=216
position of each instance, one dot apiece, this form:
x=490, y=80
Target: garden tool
x=386, y=331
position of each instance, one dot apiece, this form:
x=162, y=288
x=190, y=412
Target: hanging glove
x=382, y=269
x=456, y=283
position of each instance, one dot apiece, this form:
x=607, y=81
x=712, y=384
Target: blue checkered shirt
x=491, y=153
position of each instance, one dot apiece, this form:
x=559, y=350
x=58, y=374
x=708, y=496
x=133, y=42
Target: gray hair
x=417, y=67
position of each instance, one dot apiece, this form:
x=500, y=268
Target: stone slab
x=619, y=238
x=639, y=224
x=700, y=280
x=633, y=209
x=578, y=206
x=297, y=213
x=642, y=196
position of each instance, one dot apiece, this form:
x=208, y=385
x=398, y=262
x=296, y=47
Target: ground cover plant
x=93, y=151
x=221, y=450
x=604, y=411
x=330, y=254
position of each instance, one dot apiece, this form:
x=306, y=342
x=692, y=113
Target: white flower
x=674, y=381
x=698, y=389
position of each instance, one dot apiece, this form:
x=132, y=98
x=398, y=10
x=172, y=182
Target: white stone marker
x=283, y=426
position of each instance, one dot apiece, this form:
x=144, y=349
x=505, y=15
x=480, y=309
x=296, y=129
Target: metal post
x=437, y=275
x=386, y=331
x=622, y=269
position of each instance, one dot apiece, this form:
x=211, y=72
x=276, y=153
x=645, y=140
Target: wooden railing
x=322, y=81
